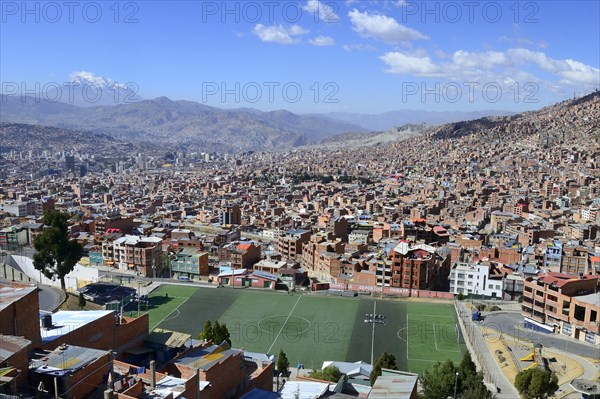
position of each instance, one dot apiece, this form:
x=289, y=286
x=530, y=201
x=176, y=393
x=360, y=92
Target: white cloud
x=493, y=66
x=325, y=12
x=409, y=65
x=279, y=33
x=358, y=47
x=382, y=27
x=322, y=41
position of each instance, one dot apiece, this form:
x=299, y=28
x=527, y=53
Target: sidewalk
x=482, y=355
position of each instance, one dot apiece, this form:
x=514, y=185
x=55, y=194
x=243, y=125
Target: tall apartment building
x=103, y=223
x=241, y=255
x=575, y=261
x=141, y=254
x=290, y=243
x=417, y=267
x=474, y=278
x=563, y=303
x=231, y=214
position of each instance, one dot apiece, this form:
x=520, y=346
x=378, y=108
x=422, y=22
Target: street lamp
x=455, y=384
x=374, y=318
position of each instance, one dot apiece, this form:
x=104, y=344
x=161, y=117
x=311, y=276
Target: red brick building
x=418, y=267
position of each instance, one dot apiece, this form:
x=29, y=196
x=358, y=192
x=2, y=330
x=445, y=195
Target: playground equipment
x=536, y=358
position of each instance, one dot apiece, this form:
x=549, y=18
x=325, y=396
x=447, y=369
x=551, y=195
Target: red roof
x=244, y=246
x=560, y=279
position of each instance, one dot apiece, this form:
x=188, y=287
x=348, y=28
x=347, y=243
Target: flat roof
x=394, y=386
x=303, y=389
x=10, y=295
x=65, y=321
x=172, y=339
x=205, y=358
x=9, y=345
x=592, y=299
x=66, y=358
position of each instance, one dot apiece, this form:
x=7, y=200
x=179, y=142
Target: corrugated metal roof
x=172, y=339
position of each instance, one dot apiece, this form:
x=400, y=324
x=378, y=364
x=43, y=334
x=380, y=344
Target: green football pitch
x=314, y=328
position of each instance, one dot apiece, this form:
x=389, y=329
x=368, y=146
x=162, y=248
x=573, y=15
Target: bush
x=460, y=296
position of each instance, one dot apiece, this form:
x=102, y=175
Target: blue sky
x=313, y=56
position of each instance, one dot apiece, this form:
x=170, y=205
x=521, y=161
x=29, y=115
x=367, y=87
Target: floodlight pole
x=373, y=333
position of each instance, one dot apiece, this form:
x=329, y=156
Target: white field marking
x=174, y=317
x=434, y=338
x=436, y=347
x=398, y=334
x=284, y=323
x=407, y=358
x=157, y=324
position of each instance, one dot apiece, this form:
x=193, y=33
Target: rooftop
x=9, y=345
x=66, y=358
x=65, y=321
x=205, y=358
x=9, y=295
x=592, y=299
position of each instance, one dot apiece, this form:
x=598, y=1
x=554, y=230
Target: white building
x=474, y=279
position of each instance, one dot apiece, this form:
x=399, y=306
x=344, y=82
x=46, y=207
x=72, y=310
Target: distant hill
x=182, y=124
x=386, y=120
x=374, y=138
x=17, y=136
x=579, y=116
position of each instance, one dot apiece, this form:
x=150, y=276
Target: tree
x=217, y=333
x=329, y=373
x=385, y=360
x=474, y=388
x=56, y=254
x=466, y=370
x=82, y=300
x=207, y=334
x=536, y=383
x=283, y=364
x=460, y=296
x=221, y=333
x=439, y=382
x=444, y=378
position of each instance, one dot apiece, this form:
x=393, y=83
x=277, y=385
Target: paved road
x=50, y=298
x=483, y=355
x=512, y=323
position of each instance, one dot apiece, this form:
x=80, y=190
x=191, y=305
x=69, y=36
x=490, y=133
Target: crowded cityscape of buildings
x=510, y=211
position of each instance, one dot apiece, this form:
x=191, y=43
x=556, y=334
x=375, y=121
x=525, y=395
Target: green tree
x=385, y=360
x=466, y=370
x=56, y=254
x=208, y=333
x=474, y=388
x=536, y=383
x=221, y=333
x=330, y=373
x=439, y=382
x=82, y=300
x=283, y=364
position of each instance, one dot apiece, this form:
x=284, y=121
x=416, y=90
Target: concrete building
x=141, y=254
x=19, y=311
x=190, y=265
x=563, y=303
x=290, y=243
x=417, y=267
x=474, y=279
x=76, y=371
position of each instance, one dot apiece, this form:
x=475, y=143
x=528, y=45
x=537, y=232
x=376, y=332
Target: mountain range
x=181, y=124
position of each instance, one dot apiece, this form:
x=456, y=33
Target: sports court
x=314, y=328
